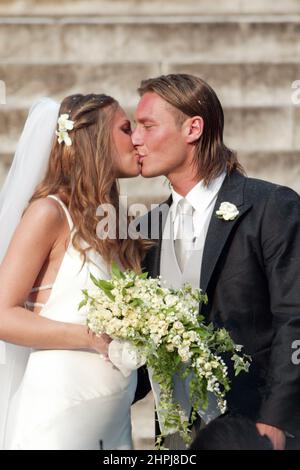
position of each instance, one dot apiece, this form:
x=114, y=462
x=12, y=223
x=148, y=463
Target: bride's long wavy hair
x=84, y=175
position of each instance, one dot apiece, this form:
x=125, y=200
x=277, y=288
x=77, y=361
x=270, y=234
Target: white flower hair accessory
x=227, y=211
x=64, y=125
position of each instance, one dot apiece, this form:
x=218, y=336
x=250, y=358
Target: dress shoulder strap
x=64, y=207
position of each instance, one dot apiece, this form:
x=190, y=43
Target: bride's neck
x=63, y=196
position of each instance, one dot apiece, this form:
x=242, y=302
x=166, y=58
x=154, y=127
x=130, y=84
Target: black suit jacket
x=251, y=273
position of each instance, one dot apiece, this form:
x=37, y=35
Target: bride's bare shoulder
x=46, y=212
x=41, y=226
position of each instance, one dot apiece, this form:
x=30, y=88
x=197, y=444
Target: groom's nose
x=136, y=137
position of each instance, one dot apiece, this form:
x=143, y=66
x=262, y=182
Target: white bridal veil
x=27, y=171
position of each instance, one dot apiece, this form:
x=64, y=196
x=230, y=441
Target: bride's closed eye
x=127, y=129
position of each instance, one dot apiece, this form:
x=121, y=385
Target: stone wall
x=248, y=51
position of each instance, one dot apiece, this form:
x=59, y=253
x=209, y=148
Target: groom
x=246, y=257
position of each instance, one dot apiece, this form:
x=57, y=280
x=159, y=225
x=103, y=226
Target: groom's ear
x=193, y=129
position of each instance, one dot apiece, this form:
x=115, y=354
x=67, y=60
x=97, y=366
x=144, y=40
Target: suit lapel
x=158, y=218
x=219, y=230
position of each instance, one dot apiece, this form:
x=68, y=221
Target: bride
x=58, y=390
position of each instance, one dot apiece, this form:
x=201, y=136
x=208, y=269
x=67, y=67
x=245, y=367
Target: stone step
x=147, y=191
x=246, y=128
x=246, y=84
x=144, y=7
x=26, y=83
x=143, y=426
x=261, y=129
x=278, y=167
x=96, y=40
x=5, y=162
x=259, y=84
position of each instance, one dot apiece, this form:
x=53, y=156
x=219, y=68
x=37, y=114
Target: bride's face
x=127, y=159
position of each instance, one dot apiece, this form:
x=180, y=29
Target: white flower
x=178, y=326
x=63, y=136
x=64, y=125
x=170, y=300
x=227, y=211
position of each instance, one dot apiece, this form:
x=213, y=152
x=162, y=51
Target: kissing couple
x=61, y=386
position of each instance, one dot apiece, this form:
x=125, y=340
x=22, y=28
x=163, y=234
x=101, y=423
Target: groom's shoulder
x=262, y=190
x=260, y=186
x=272, y=201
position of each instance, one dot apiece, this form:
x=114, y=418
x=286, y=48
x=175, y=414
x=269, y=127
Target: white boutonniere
x=227, y=211
x=64, y=125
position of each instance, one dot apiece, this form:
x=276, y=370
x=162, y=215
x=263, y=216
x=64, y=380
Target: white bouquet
x=167, y=330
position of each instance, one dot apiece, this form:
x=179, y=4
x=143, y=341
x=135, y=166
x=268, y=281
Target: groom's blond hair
x=191, y=96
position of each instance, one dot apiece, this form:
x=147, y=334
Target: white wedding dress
x=72, y=399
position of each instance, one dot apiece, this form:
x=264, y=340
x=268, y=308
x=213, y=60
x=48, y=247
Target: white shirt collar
x=200, y=196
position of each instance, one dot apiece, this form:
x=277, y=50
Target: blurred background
x=248, y=51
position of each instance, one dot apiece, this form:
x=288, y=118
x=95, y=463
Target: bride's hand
x=99, y=343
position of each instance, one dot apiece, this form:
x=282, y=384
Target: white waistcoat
x=173, y=277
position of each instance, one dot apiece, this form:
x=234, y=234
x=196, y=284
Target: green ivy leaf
x=129, y=284
x=105, y=285
x=82, y=303
x=117, y=273
x=143, y=276
x=109, y=294
x=136, y=302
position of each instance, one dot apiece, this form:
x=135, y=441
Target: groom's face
x=158, y=138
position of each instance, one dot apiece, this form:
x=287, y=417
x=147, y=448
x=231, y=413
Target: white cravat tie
x=185, y=232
